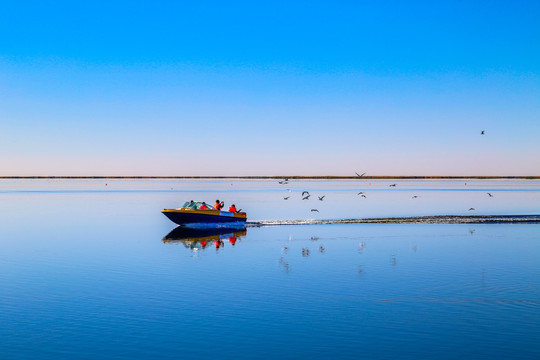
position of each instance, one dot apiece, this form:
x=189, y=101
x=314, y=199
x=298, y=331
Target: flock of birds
x=306, y=195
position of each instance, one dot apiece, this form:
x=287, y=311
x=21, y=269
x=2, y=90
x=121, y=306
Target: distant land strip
x=436, y=219
x=290, y=177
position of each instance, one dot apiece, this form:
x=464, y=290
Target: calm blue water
x=86, y=273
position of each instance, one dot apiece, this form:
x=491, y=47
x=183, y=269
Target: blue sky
x=274, y=88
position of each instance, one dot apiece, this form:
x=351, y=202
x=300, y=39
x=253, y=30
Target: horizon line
x=295, y=177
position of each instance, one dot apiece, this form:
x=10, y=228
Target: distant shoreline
x=278, y=177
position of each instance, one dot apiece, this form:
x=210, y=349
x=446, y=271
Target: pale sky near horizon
x=278, y=88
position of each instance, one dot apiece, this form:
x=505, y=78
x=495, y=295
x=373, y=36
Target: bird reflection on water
x=200, y=238
x=361, y=247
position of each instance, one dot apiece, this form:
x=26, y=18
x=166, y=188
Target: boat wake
x=437, y=219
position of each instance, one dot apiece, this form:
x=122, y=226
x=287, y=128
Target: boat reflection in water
x=201, y=238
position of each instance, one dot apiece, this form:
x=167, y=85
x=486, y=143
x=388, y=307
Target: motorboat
x=192, y=213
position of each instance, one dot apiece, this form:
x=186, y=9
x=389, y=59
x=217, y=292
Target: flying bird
x=364, y=196
x=415, y=196
x=315, y=210
x=306, y=197
x=286, y=198
x=283, y=182
x=472, y=209
x=360, y=193
x=392, y=185
x=321, y=197
x=304, y=193
x=490, y=195
x=359, y=174
x=482, y=133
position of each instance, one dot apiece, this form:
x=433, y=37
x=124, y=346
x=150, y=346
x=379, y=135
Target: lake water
x=88, y=271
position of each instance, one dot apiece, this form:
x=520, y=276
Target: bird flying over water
x=482, y=133
x=321, y=197
x=286, y=198
x=392, y=185
x=359, y=174
x=304, y=193
x=472, y=209
x=490, y=195
x=360, y=193
x=315, y=210
x=364, y=196
x=306, y=197
x=415, y=196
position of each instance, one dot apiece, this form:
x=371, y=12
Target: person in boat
x=232, y=208
x=219, y=205
x=203, y=206
x=191, y=205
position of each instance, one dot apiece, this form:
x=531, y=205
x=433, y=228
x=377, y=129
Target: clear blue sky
x=249, y=88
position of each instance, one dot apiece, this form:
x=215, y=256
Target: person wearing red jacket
x=219, y=205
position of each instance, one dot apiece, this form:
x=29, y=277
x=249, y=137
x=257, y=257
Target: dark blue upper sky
x=387, y=37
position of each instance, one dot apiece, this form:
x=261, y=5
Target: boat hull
x=188, y=216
